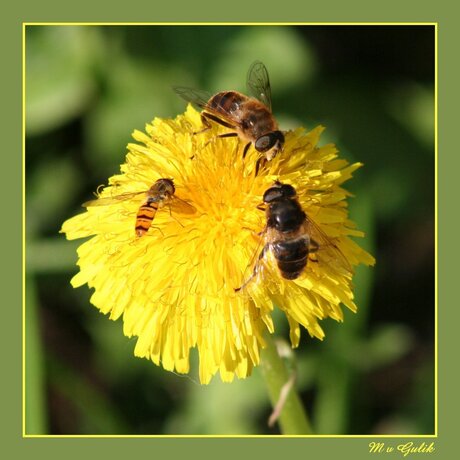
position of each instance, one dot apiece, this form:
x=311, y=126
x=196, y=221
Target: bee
x=249, y=117
x=291, y=236
x=161, y=193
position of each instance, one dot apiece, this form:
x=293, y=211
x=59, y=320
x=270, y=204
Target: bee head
x=278, y=192
x=166, y=186
x=270, y=144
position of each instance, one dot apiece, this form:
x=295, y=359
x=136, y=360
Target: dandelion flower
x=175, y=286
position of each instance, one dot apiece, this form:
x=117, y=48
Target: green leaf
x=288, y=58
x=60, y=81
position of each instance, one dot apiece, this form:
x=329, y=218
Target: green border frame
x=361, y=12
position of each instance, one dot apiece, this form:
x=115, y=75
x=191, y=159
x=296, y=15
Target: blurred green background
x=89, y=87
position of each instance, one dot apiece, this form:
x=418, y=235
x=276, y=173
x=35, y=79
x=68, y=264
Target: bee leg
x=206, y=124
x=205, y=117
x=312, y=248
x=262, y=233
x=228, y=135
x=255, y=271
x=222, y=136
x=261, y=207
x=261, y=162
x=207, y=127
x=246, y=148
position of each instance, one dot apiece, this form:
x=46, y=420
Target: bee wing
x=258, y=83
x=254, y=267
x=195, y=96
x=327, y=249
x=111, y=199
x=181, y=206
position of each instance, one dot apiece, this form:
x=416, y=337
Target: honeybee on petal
x=291, y=236
x=249, y=117
x=160, y=194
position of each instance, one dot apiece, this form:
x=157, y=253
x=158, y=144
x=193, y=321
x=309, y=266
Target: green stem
x=292, y=418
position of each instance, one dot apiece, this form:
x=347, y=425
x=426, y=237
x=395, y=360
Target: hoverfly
x=161, y=193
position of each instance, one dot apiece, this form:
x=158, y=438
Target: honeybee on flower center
x=248, y=117
x=291, y=236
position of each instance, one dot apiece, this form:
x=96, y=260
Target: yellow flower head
x=177, y=281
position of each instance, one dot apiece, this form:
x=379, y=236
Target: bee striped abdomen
x=291, y=256
x=226, y=102
x=145, y=216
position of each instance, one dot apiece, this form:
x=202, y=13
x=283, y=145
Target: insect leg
x=255, y=271
x=205, y=116
x=312, y=248
x=246, y=148
x=177, y=220
x=262, y=161
x=228, y=135
x=221, y=136
x=206, y=124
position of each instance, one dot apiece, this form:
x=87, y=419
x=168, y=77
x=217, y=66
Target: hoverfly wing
x=258, y=83
x=327, y=248
x=197, y=97
x=181, y=206
x=107, y=200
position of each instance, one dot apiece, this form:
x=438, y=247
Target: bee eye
x=264, y=143
x=288, y=191
x=267, y=141
x=272, y=194
x=279, y=191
